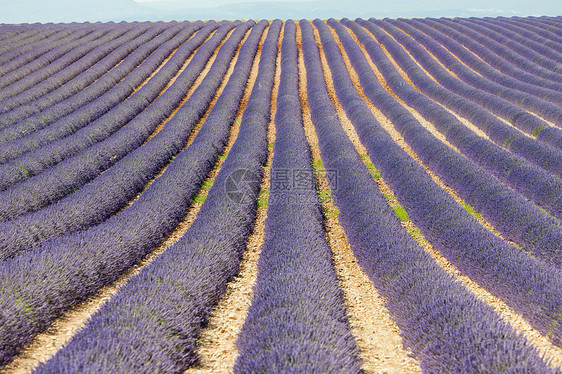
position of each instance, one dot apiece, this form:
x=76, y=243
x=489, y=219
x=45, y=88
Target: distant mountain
x=129, y=10
x=348, y=8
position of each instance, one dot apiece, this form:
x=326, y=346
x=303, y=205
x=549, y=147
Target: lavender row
x=66, y=271
x=504, y=66
x=519, y=118
x=41, y=70
x=88, y=104
x=21, y=36
x=108, y=71
x=543, y=28
x=543, y=155
x=538, y=54
x=190, y=276
x=296, y=322
x=543, y=22
x=515, y=217
x=98, y=120
x=19, y=52
x=529, y=180
x=35, y=35
x=553, y=22
x=498, y=34
x=524, y=121
x=503, y=52
x=44, y=41
x=13, y=34
x=105, y=195
x=446, y=326
x=65, y=68
x=505, y=136
x=7, y=33
x=528, y=286
x=486, y=70
x=29, y=61
x=529, y=35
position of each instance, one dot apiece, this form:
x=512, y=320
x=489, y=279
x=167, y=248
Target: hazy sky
x=16, y=11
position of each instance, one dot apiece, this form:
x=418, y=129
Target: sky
x=43, y=11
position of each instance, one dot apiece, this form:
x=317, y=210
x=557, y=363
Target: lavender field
x=327, y=196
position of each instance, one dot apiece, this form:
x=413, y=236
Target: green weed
x=199, y=198
x=471, y=210
x=400, y=212
x=207, y=185
x=25, y=172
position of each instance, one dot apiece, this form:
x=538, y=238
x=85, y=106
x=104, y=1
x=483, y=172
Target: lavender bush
x=86, y=107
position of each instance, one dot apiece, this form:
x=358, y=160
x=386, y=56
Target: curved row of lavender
x=469, y=59
x=529, y=180
x=499, y=132
x=17, y=53
x=21, y=38
x=484, y=102
x=530, y=28
x=529, y=286
x=57, y=72
x=550, y=23
x=444, y=324
x=542, y=45
x=33, y=132
x=529, y=36
x=46, y=281
x=505, y=54
x=84, y=133
x=506, y=66
x=546, y=134
x=72, y=71
x=37, y=58
x=23, y=41
x=539, y=55
x=96, y=78
x=529, y=102
x=296, y=322
x=109, y=192
x=96, y=121
x=518, y=219
x=159, y=312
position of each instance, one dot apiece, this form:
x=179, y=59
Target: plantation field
x=327, y=196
